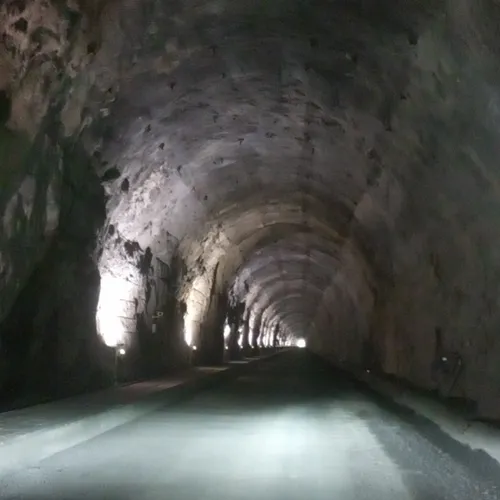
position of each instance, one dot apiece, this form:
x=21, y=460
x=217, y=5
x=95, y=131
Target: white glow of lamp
x=111, y=309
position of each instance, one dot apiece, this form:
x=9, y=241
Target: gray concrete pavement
x=32, y=434
x=289, y=429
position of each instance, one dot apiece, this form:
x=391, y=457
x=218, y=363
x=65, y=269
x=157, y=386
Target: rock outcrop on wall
x=335, y=163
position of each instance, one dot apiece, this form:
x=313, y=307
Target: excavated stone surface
x=335, y=163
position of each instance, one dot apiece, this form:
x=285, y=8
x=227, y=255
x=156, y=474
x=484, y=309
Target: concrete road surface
x=292, y=429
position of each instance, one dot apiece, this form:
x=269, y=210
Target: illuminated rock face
x=334, y=165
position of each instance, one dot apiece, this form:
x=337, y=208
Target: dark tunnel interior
x=187, y=182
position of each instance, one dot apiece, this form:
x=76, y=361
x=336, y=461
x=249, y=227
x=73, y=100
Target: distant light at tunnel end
x=301, y=343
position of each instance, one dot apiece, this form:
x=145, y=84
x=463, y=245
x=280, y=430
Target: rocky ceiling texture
x=333, y=163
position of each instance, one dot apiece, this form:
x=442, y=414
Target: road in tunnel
x=289, y=429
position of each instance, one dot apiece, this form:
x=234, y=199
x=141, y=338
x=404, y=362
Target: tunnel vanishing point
x=188, y=180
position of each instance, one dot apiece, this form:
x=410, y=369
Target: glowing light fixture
x=188, y=331
x=227, y=331
x=122, y=351
x=301, y=343
x=113, y=309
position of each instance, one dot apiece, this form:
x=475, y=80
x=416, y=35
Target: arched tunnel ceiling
x=337, y=156
x=243, y=115
x=291, y=275
x=192, y=158
x=229, y=118
x=249, y=125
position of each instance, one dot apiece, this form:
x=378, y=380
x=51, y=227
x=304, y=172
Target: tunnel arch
x=188, y=137
x=172, y=116
x=251, y=240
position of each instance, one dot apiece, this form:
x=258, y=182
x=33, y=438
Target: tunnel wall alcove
x=386, y=110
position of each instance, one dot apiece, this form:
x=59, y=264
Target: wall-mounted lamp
x=120, y=351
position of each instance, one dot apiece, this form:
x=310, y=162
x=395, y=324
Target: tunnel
x=194, y=183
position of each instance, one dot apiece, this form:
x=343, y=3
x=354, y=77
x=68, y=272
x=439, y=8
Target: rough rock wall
x=434, y=238
x=40, y=53
x=52, y=204
x=46, y=342
x=345, y=312
x=444, y=239
x=52, y=207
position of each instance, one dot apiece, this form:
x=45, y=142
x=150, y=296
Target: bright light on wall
x=196, y=307
x=190, y=321
x=268, y=338
x=115, y=310
x=227, y=331
x=300, y=343
x=251, y=327
x=188, y=330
